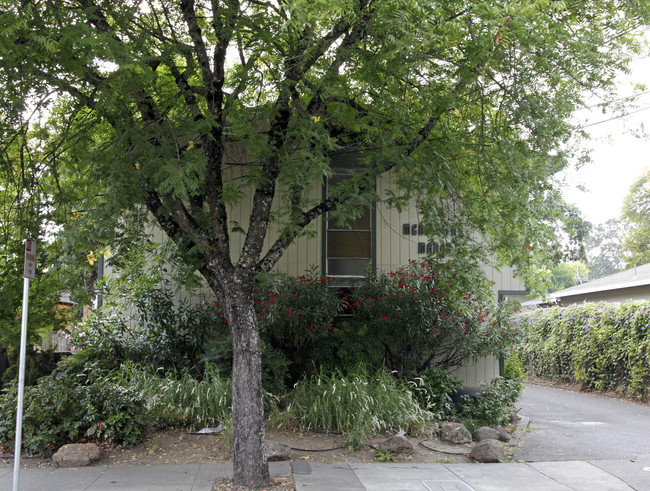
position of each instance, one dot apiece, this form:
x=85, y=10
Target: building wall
x=300, y=256
x=478, y=372
x=394, y=249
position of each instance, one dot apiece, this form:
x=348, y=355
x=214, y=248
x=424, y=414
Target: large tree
x=466, y=104
x=605, y=248
x=636, y=213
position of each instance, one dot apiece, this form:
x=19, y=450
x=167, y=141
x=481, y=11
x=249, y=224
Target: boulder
x=488, y=451
x=396, y=445
x=276, y=451
x=76, y=455
x=455, y=433
x=485, y=433
x=504, y=436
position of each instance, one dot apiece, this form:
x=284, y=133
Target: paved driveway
x=568, y=425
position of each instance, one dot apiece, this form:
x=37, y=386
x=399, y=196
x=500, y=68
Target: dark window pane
x=348, y=244
x=348, y=267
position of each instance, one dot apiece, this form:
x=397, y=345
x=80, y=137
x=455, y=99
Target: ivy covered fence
x=598, y=345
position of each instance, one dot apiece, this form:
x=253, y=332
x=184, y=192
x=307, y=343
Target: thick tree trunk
x=250, y=466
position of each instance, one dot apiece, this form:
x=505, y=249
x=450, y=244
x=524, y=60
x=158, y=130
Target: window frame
x=347, y=166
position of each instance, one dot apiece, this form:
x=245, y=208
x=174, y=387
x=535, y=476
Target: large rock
x=504, y=436
x=276, y=451
x=488, y=451
x=76, y=455
x=455, y=433
x=396, y=445
x=485, y=433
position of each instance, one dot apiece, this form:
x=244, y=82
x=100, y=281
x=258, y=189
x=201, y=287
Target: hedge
x=597, y=345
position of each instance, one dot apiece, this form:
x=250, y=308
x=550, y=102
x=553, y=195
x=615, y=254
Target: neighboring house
x=57, y=341
x=630, y=285
x=381, y=236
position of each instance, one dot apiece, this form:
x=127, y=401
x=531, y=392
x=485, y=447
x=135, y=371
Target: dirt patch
x=179, y=446
x=276, y=484
x=176, y=446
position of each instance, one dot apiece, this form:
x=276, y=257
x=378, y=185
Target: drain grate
x=446, y=486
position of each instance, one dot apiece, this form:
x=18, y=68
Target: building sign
x=30, y=259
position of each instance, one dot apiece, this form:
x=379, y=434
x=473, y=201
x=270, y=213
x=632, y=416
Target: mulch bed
x=277, y=484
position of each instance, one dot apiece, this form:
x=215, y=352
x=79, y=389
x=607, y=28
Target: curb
x=522, y=426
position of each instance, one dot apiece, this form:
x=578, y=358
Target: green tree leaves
x=636, y=211
x=605, y=248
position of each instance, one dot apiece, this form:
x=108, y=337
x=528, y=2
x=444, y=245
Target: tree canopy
x=27, y=210
x=187, y=109
x=636, y=212
x=605, y=248
x=566, y=275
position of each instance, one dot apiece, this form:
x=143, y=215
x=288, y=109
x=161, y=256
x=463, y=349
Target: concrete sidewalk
x=574, y=475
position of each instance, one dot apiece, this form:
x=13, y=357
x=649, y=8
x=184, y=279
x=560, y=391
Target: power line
x=626, y=98
x=615, y=117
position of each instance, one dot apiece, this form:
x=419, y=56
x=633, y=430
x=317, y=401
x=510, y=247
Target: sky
x=618, y=157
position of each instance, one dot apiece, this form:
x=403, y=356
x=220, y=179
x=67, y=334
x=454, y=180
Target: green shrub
x=70, y=404
x=492, y=406
x=147, y=326
x=405, y=321
x=421, y=316
x=514, y=366
x=37, y=364
x=296, y=318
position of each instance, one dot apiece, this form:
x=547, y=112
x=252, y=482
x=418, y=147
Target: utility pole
x=29, y=273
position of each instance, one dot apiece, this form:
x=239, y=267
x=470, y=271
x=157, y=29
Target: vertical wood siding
x=393, y=249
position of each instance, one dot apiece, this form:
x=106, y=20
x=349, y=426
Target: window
x=349, y=249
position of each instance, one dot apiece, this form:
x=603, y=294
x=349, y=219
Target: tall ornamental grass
x=355, y=403
x=179, y=399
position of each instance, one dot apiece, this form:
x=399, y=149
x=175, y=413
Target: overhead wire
x=620, y=116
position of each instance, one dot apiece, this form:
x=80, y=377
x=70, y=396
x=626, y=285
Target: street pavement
x=570, y=425
x=604, y=475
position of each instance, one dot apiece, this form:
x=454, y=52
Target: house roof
x=637, y=276
x=64, y=298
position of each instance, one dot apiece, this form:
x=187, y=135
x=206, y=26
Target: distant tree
x=636, y=212
x=566, y=275
x=605, y=248
x=574, y=230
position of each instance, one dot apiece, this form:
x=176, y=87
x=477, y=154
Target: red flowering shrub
x=406, y=321
x=420, y=316
x=296, y=318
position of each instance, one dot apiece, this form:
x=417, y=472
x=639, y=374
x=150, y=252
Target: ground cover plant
x=598, y=345
x=180, y=399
